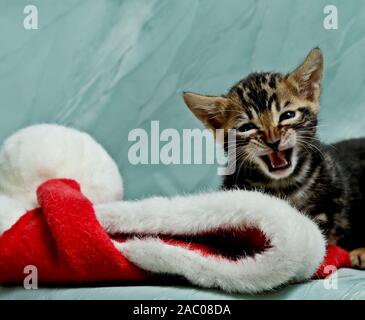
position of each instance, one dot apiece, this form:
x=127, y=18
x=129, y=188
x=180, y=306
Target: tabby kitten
x=277, y=152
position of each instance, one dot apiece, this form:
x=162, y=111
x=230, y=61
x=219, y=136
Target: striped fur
x=320, y=180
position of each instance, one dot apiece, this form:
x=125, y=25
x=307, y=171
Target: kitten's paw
x=357, y=257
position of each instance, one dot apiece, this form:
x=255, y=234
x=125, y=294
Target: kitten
x=277, y=151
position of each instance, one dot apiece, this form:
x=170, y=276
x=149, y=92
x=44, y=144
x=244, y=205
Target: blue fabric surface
x=350, y=285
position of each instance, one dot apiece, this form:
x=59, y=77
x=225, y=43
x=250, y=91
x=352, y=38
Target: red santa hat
x=238, y=240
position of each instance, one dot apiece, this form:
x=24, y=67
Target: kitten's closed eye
x=247, y=127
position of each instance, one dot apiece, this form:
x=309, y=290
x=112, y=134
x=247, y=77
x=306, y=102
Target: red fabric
x=66, y=243
x=335, y=258
x=64, y=240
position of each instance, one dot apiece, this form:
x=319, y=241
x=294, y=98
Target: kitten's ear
x=307, y=77
x=209, y=110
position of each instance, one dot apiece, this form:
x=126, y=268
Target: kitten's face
x=275, y=116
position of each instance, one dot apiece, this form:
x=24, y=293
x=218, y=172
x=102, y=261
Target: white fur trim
x=46, y=151
x=297, y=249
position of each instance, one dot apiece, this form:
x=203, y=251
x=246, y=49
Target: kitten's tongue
x=277, y=159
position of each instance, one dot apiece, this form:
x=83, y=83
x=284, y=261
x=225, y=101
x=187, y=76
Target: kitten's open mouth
x=278, y=160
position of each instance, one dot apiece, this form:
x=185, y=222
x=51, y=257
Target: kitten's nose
x=273, y=145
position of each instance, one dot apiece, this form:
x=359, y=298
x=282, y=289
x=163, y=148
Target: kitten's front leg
x=357, y=257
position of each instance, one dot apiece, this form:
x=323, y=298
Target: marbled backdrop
x=108, y=66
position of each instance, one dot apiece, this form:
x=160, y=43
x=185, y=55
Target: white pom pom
x=41, y=152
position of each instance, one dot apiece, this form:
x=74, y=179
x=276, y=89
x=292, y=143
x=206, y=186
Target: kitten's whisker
x=311, y=146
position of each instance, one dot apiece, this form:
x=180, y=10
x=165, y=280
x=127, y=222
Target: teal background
x=108, y=66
